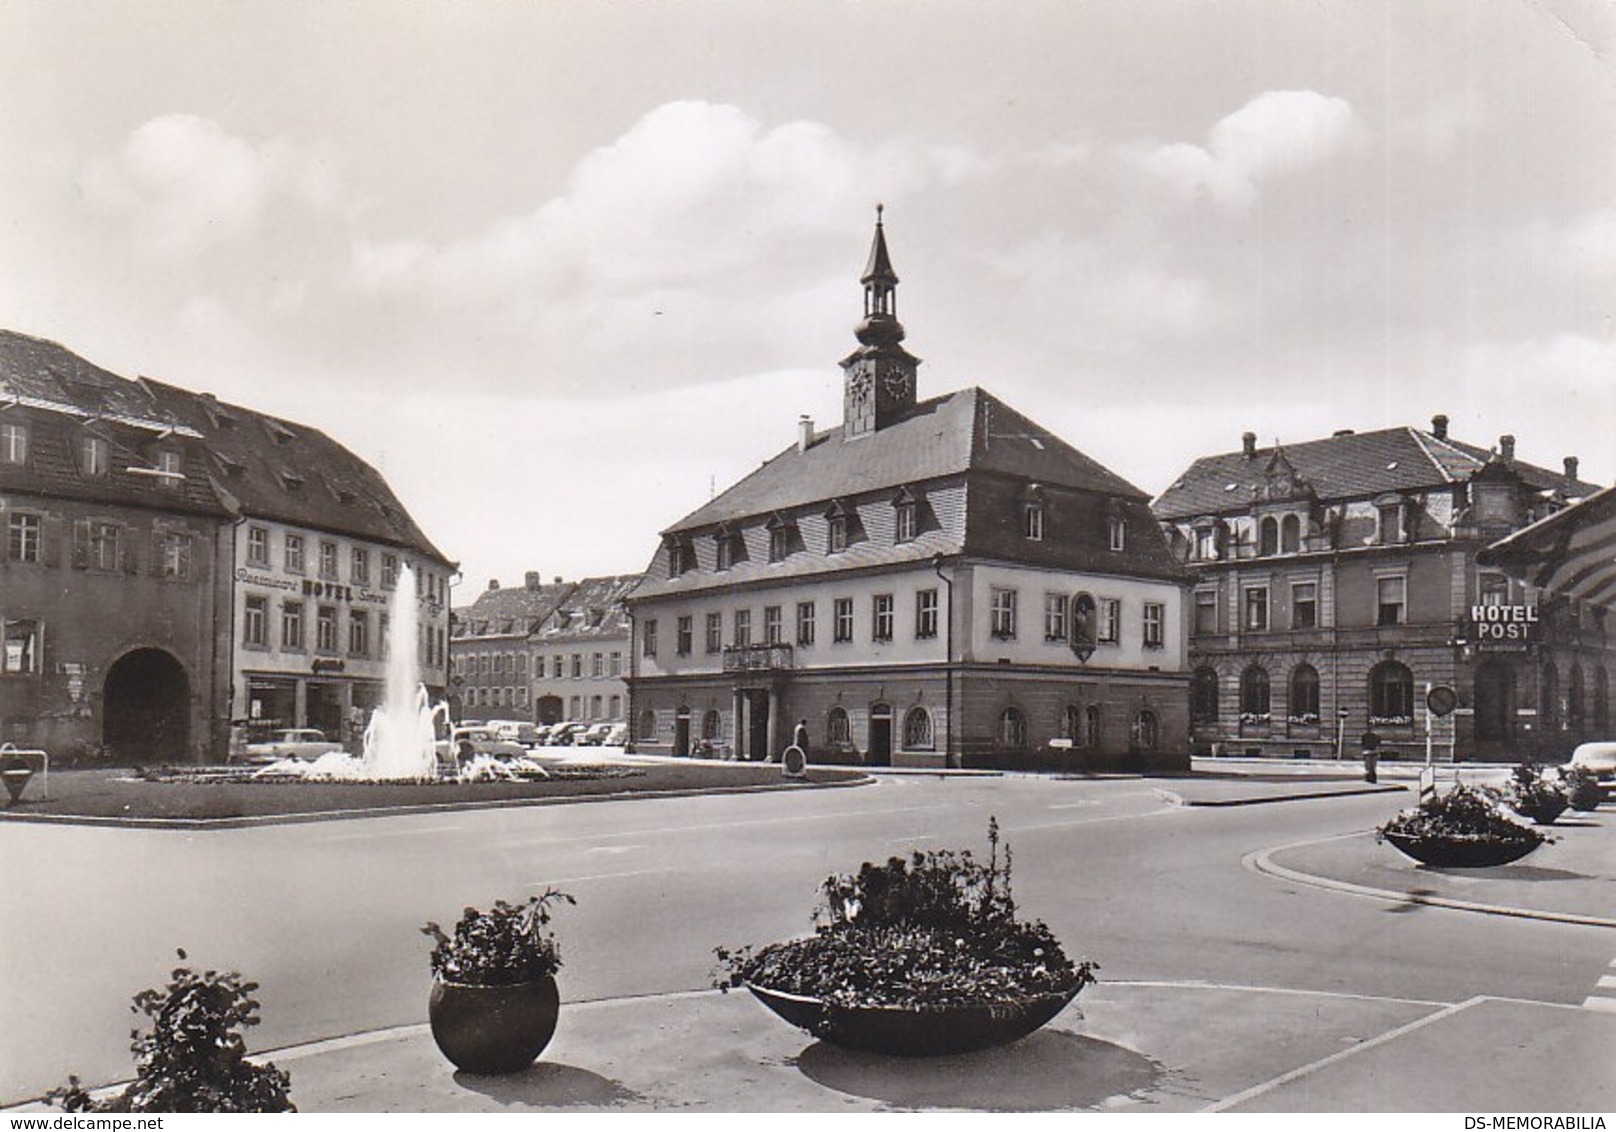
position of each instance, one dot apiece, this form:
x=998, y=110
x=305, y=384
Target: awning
x=1572, y=553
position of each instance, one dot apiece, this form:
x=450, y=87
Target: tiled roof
x=253, y=463
x=593, y=609
x=509, y=610
x=969, y=430
x=1350, y=466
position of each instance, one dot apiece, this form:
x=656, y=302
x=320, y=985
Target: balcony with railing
x=757, y=658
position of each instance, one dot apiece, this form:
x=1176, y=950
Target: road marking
x=1335, y=1058
x=1607, y=980
x=1594, y=1002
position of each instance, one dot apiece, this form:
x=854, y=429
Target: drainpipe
x=949, y=757
x=633, y=671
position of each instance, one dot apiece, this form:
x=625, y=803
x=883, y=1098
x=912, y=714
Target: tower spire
x=880, y=374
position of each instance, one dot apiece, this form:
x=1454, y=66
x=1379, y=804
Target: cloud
x=1276, y=134
x=184, y=184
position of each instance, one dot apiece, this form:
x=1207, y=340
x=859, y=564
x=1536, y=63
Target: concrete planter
x=491, y=1031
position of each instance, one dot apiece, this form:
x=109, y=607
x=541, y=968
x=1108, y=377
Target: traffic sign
x=1441, y=700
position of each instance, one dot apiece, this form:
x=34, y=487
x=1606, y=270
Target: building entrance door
x=146, y=705
x=681, y=733
x=880, y=753
x=757, y=725
x=1494, y=702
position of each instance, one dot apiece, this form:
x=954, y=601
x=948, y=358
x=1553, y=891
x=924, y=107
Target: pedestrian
x=1371, y=754
x=799, y=736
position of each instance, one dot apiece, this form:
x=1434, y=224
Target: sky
x=561, y=269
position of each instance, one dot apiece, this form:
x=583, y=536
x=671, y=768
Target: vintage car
x=1598, y=759
x=306, y=743
x=465, y=742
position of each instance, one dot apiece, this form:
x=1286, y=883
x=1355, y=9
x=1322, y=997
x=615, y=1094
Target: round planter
x=1546, y=810
x=1586, y=796
x=493, y=1030
x=1462, y=853
x=915, y=1031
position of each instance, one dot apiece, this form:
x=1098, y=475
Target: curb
x=1262, y=861
x=1302, y=796
x=260, y=820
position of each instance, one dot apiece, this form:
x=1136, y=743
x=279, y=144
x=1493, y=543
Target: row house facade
x=230, y=569
x=931, y=582
x=1337, y=581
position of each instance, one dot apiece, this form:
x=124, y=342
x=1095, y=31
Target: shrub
x=194, y=1059
x=506, y=945
x=1464, y=813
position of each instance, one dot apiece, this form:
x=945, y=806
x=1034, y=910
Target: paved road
x=326, y=915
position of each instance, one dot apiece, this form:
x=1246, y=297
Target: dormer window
x=169, y=475
x=1208, y=540
x=95, y=456
x=1117, y=533
x=905, y=516
x=13, y=443
x=681, y=557
x=836, y=529
x=729, y=547
x=1032, y=521
x=1390, y=514
x=782, y=538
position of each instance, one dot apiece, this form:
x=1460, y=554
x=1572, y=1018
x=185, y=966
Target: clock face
x=896, y=382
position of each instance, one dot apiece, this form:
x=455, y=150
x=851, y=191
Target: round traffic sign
x=1441, y=699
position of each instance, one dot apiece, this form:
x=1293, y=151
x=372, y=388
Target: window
x=1268, y=537
x=21, y=648
x=1032, y=521
x=325, y=628
x=647, y=727
x=836, y=530
x=1085, y=622
x=328, y=561
x=1091, y=726
x=1146, y=731
x=255, y=614
x=1255, y=618
x=726, y=547
x=359, y=566
x=1206, y=612
x=1110, y=620
x=597, y=661
x=805, y=623
x=1072, y=725
x=596, y=706
x=13, y=444
x=292, y=551
x=1056, y=618
x=1304, y=605
x=358, y=633
x=1002, y=606
x=1391, y=694
x=917, y=733
x=100, y=548
x=559, y=669
x=1155, y=616
x=773, y=630
x=1304, y=695
x=1206, y=544
x=681, y=557
x=616, y=708
x=905, y=524
x=258, y=546
x=711, y=723
x=648, y=636
x=389, y=571
x=838, y=729
x=1254, y=695
x=95, y=457
x=780, y=539
x=614, y=665
x=23, y=537
x=1117, y=529
x=715, y=632
x=1390, y=603
x=169, y=475
x=292, y=625
x=384, y=638
x=682, y=635
x=1204, y=696
x=741, y=631
x=842, y=609
x=1290, y=534
x=577, y=666
x=925, y=614
x=1391, y=522
x=881, y=617
x=1013, y=728
x=176, y=556
x=1493, y=589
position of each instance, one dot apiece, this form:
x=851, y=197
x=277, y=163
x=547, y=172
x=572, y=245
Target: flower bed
x=1463, y=828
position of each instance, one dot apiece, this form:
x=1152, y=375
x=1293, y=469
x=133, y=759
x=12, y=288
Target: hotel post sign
x=1503, y=628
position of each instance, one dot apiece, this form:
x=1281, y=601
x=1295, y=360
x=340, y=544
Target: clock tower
x=879, y=376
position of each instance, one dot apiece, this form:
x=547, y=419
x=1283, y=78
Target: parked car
x=617, y=736
x=464, y=742
x=593, y=735
x=307, y=743
x=1599, y=759
x=564, y=734
x=516, y=730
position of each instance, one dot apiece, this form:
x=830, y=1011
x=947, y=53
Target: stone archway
x=146, y=708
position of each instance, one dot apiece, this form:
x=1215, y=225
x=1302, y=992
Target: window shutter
x=81, y=544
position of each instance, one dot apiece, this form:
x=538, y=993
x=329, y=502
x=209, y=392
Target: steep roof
x=510, y=610
x=251, y=463
x=1350, y=466
x=593, y=609
x=965, y=431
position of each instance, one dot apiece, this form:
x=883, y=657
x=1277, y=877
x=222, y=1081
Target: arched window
x=1091, y=726
x=710, y=725
x=917, y=730
x=1072, y=724
x=837, y=727
x=1204, y=696
x=1146, y=731
x=1013, y=728
x=1391, y=694
x=1304, y=697
x=1254, y=695
x=1575, y=711
x=1084, y=627
x=647, y=724
x=1268, y=537
x=1290, y=534
x=1548, y=697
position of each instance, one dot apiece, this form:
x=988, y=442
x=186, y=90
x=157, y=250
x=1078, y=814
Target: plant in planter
x=1581, y=786
x=917, y=957
x=1463, y=828
x=494, y=1001
x=1533, y=796
x=194, y=1059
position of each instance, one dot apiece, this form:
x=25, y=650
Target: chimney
x=532, y=581
x=558, y=579
x=1248, y=444
x=493, y=583
x=1342, y=432
x=1571, y=467
x=1439, y=426
x=805, y=432
x=1506, y=446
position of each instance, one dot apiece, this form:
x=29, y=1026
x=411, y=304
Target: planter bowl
x=1461, y=853
x=915, y=1031
x=493, y=1030
x=1545, y=811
